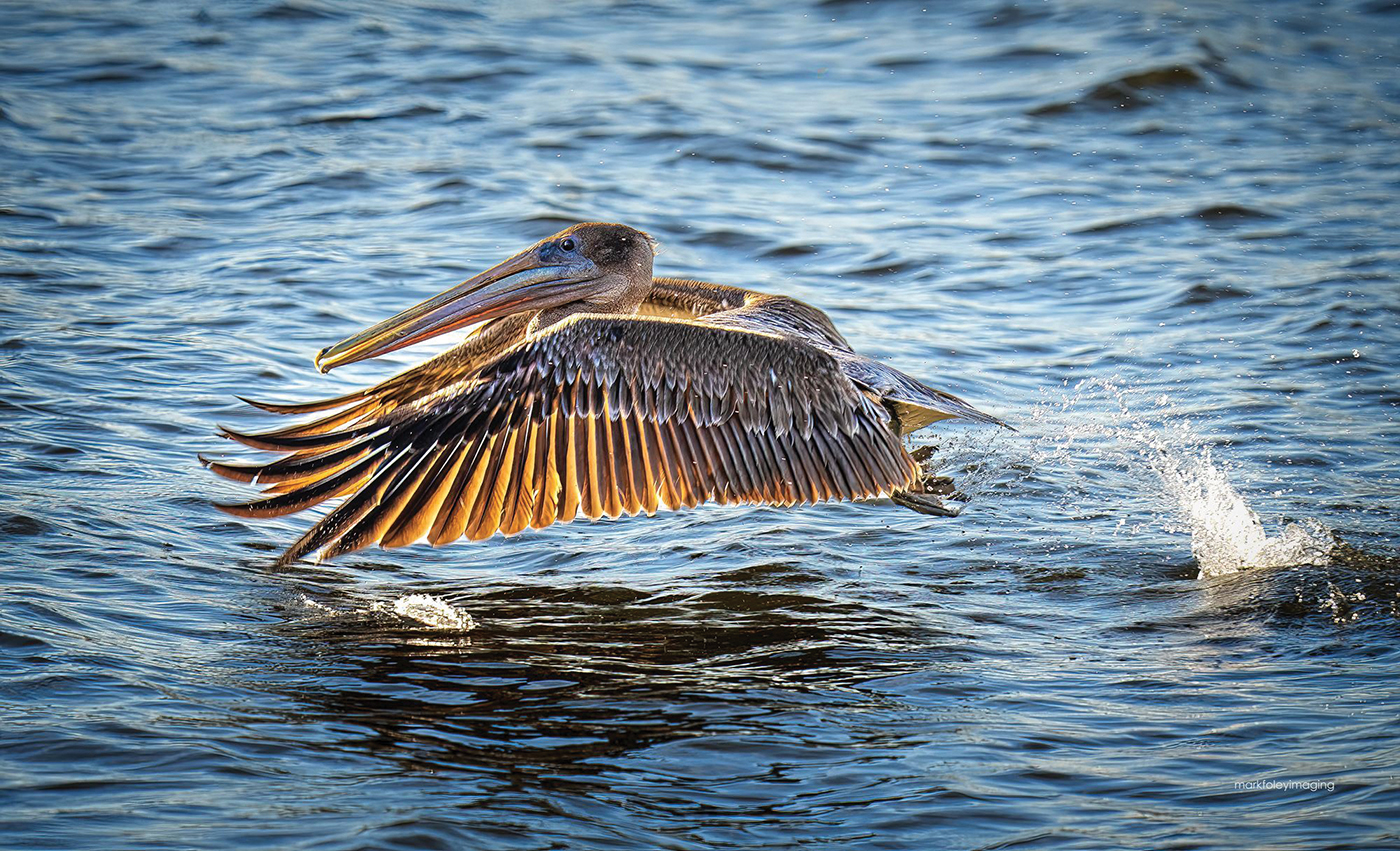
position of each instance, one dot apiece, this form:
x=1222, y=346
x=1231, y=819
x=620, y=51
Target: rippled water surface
x=1161, y=242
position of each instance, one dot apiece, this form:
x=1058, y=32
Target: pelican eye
x=568, y=243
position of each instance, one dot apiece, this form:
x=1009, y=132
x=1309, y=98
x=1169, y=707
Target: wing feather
x=418, y=514
x=783, y=478
x=708, y=484
x=717, y=472
x=594, y=416
x=665, y=490
x=839, y=469
x=679, y=465
x=315, y=494
x=594, y=474
x=520, y=489
x=811, y=483
x=628, y=474
x=566, y=447
x=612, y=460
x=456, y=510
x=486, y=513
x=544, y=480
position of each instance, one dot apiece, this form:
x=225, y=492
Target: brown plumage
x=592, y=389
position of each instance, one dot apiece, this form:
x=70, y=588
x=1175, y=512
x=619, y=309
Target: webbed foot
x=924, y=503
x=924, y=495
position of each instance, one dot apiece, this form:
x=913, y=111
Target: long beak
x=524, y=282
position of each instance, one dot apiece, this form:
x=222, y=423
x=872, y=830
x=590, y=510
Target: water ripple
x=1027, y=204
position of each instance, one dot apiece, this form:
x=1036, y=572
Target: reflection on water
x=761, y=707
x=553, y=678
x=1157, y=239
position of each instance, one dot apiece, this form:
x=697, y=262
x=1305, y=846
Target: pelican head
x=592, y=268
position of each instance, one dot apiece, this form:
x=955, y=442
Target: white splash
x=423, y=610
x=432, y=612
x=1165, y=461
x=1227, y=536
x=314, y=606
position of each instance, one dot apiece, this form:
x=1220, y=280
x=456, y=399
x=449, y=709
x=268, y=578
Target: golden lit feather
x=674, y=394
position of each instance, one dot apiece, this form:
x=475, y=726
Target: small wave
x=1031, y=52
x=1125, y=224
x=416, y=111
x=899, y=62
x=21, y=524
x=350, y=178
x=1130, y=91
x=727, y=238
x=432, y=203
x=458, y=76
x=1228, y=213
x=177, y=243
x=1012, y=15
x=792, y=249
x=1199, y=294
x=287, y=11
x=882, y=266
x=770, y=157
x=1213, y=214
x=15, y=212
x=121, y=72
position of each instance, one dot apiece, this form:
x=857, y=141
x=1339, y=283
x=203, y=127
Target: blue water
x=1158, y=240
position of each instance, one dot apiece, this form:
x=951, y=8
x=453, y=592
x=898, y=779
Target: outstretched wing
x=598, y=415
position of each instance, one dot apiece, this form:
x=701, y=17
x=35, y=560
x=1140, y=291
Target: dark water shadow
x=1355, y=598
x=556, y=683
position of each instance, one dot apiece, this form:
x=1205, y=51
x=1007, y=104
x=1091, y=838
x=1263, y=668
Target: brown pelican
x=591, y=388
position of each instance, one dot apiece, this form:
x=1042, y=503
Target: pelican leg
x=938, y=486
x=923, y=453
x=924, y=503
x=924, y=496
